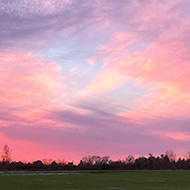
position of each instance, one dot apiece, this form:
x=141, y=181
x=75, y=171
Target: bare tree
x=95, y=160
x=47, y=161
x=171, y=155
x=105, y=159
x=130, y=159
x=87, y=160
x=6, y=154
x=61, y=161
x=188, y=155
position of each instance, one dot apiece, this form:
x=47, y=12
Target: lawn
x=95, y=180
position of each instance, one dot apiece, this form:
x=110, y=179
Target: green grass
x=96, y=180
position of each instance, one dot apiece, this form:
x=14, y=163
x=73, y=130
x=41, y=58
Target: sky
x=94, y=77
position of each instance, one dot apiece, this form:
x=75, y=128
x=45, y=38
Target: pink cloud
x=169, y=73
x=43, y=106
x=110, y=78
x=162, y=67
x=30, y=85
x=91, y=61
x=166, y=74
x=177, y=136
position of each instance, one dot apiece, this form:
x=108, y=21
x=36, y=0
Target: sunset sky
x=94, y=77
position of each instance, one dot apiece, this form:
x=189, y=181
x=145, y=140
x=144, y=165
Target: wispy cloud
x=95, y=76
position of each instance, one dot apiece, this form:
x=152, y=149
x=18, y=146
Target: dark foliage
x=166, y=161
x=141, y=163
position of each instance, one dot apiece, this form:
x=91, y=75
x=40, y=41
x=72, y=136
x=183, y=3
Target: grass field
x=95, y=180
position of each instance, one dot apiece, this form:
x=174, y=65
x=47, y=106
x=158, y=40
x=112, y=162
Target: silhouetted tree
x=105, y=159
x=6, y=154
x=47, y=161
x=188, y=155
x=94, y=160
x=87, y=160
x=171, y=155
x=130, y=159
x=151, y=161
x=61, y=162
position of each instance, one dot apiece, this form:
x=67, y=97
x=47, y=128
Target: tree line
x=165, y=161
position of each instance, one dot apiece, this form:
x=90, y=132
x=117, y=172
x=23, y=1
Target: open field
x=95, y=180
